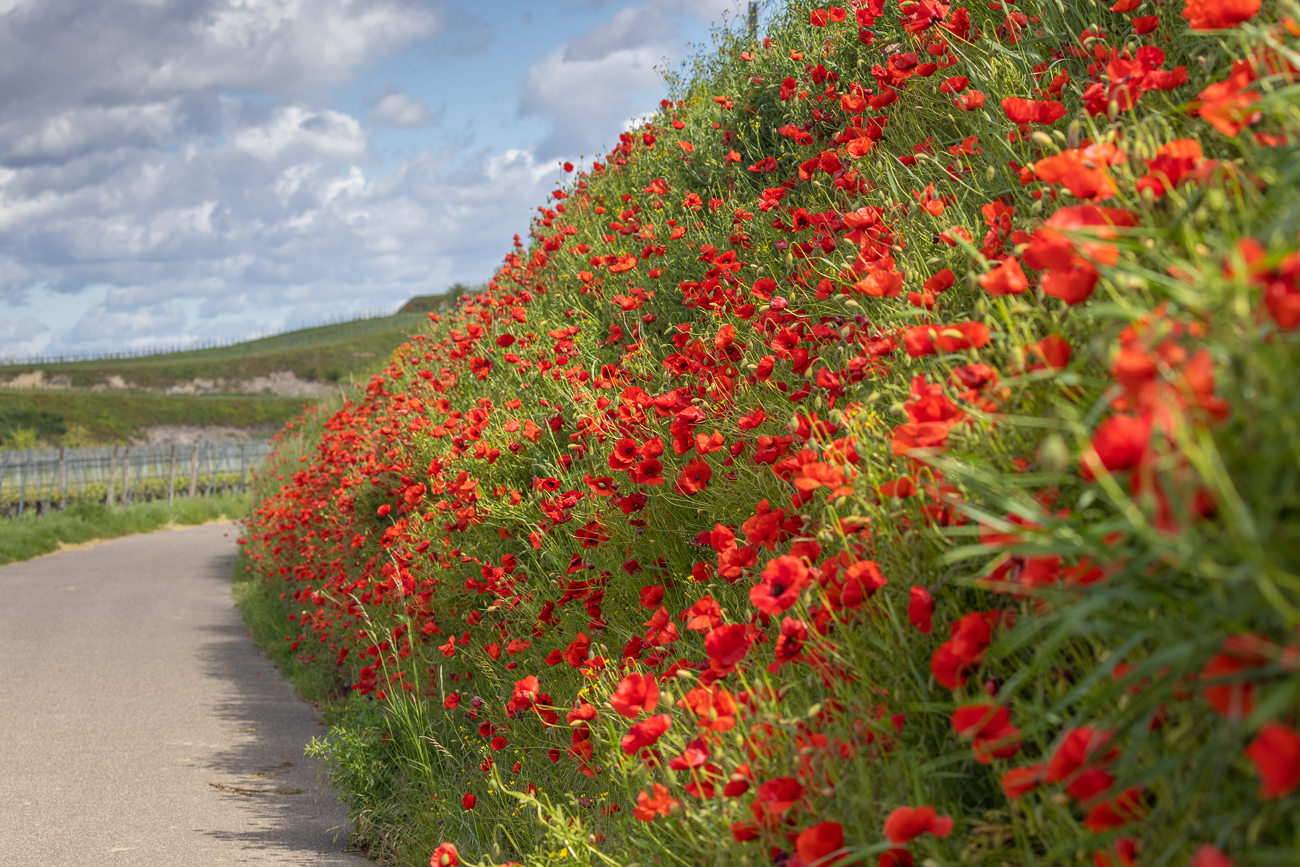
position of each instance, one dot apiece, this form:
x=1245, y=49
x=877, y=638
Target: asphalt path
x=138, y=723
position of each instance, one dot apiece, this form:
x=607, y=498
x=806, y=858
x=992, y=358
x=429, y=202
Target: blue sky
x=175, y=170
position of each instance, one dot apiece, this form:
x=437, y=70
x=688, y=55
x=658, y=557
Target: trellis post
x=171, y=476
x=111, y=499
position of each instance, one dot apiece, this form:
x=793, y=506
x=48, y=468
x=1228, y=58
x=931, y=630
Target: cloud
x=295, y=128
x=589, y=87
x=179, y=170
x=122, y=52
x=593, y=86
x=399, y=109
x=21, y=337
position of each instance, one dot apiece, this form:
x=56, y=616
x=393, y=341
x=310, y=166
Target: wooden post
x=4, y=465
x=243, y=466
x=110, y=500
x=126, y=475
x=212, y=462
x=22, y=491
x=194, y=469
x=171, y=476
x=49, y=492
x=63, y=478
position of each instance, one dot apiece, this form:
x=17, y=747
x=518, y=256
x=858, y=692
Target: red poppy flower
x=1209, y=856
x=1024, y=111
x=789, y=644
x=990, y=729
x=1006, y=279
x=647, y=472
x=906, y=824
x=822, y=844
x=782, y=581
x=727, y=645
x=1276, y=754
x=971, y=636
x=949, y=338
x=695, y=477
x=896, y=857
x=1123, y=809
x=660, y=804
x=1173, y=162
x=1118, y=444
x=445, y=856
x=469, y=801
x=1017, y=781
x=1073, y=284
x=920, y=609
x=1080, y=748
x=1078, y=173
x=645, y=733
x=1218, y=14
x=624, y=454
x=635, y=693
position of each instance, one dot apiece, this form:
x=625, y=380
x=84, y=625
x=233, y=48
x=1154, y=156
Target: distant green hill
x=257, y=383
x=326, y=354
x=108, y=417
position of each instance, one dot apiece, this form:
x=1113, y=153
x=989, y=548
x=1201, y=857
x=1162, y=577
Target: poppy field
x=888, y=454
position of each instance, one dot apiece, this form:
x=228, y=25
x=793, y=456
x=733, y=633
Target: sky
x=173, y=171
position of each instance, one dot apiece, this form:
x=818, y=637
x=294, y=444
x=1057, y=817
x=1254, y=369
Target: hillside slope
x=886, y=455
x=322, y=355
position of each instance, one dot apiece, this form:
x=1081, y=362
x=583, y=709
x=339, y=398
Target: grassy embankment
x=888, y=456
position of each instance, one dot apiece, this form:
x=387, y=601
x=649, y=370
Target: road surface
x=127, y=689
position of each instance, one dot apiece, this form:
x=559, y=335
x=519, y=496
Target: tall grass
x=33, y=535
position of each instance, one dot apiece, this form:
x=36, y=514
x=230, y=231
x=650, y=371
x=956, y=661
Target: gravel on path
x=138, y=723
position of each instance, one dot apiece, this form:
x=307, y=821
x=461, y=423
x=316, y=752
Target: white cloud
x=184, y=160
x=328, y=133
x=21, y=337
x=77, y=129
x=591, y=86
x=399, y=109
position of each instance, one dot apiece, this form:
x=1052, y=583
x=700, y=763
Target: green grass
x=32, y=535
x=108, y=417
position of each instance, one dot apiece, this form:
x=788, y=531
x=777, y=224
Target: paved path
x=127, y=687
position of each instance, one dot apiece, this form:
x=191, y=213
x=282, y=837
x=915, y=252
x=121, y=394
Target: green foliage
x=32, y=535
x=436, y=303
x=22, y=427
x=103, y=417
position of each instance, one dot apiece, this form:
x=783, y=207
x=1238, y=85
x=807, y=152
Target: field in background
x=107, y=417
x=33, y=535
x=325, y=354
x=252, y=387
